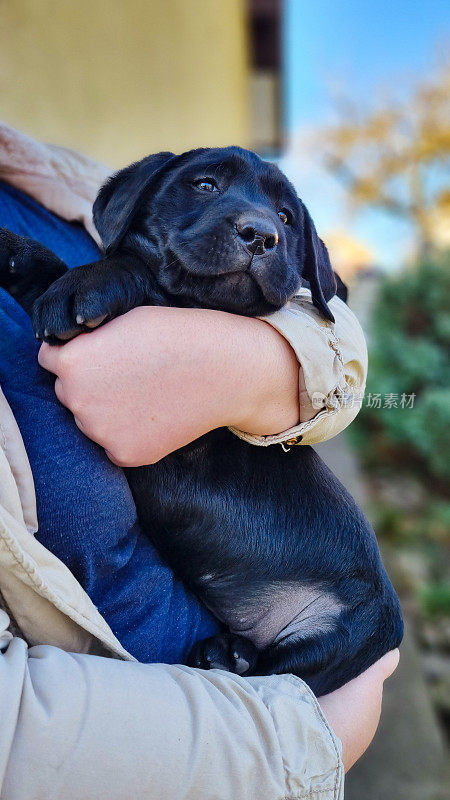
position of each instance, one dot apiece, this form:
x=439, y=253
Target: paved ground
x=407, y=758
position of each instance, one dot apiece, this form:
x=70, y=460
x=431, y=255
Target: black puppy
x=270, y=540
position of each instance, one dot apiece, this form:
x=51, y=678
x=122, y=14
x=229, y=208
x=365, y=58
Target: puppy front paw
x=85, y=297
x=76, y=303
x=228, y=651
x=27, y=268
x=11, y=250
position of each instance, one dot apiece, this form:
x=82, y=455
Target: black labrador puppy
x=270, y=540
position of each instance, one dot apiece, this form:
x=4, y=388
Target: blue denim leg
x=86, y=514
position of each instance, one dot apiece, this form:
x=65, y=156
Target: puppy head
x=219, y=227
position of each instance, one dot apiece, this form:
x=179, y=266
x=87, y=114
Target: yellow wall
x=121, y=78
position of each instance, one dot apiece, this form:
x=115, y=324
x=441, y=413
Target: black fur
x=270, y=540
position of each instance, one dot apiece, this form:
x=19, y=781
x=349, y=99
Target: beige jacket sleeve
x=332, y=378
x=81, y=727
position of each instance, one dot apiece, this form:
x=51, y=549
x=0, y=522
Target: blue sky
x=364, y=47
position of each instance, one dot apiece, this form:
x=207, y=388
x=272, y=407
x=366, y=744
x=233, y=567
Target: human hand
x=157, y=378
x=353, y=711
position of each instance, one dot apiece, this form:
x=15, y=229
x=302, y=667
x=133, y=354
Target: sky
x=364, y=47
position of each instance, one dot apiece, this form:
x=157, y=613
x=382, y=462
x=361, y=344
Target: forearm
x=157, y=378
x=354, y=709
x=217, y=369
x=241, y=370
x=265, y=370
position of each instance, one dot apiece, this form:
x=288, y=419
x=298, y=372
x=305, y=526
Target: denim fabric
x=86, y=514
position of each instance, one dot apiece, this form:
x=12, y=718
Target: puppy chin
x=275, y=296
x=235, y=292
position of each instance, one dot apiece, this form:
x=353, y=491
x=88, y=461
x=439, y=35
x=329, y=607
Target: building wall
x=118, y=79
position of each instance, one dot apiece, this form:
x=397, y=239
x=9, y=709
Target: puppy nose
x=258, y=234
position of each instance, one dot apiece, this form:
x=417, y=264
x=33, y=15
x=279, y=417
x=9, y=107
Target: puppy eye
x=285, y=216
x=206, y=185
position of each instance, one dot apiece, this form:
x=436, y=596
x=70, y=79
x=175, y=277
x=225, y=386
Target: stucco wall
x=122, y=78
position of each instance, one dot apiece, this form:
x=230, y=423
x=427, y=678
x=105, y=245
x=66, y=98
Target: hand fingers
x=389, y=663
x=113, y=459
x=385, y=666
x=92, y=431
x=48, y=357
x=59, y=390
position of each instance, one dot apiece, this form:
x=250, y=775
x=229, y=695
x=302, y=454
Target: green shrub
x=410, y=354
x=435, y=599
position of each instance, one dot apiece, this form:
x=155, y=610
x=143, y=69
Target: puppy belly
x=284, y=611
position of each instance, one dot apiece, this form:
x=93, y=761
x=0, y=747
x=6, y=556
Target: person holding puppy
x=115, y=729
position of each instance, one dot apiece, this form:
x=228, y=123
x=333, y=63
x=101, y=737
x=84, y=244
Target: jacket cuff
x=311, y=751
x=333, y=360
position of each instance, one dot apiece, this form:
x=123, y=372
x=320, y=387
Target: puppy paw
x=16, y=260
x=27, y=268
x=78, y=302
x=228, y=652
x=82, y=299
x=11, y=249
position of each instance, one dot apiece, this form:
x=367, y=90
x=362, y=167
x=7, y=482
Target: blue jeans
x=86, y=513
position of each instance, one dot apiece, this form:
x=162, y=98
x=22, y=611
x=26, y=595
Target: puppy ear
x=317, y=268
x=119, y=198
x=341, y=288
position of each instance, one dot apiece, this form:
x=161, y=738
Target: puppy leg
x=328, y=660
x=229, y=652
x=315, y=659
x=27, y=268
x=89, y=295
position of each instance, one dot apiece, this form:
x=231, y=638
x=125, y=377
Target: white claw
x=12, y=265
x=80, y=319
x=66, y=335
x=46, y=332
x=94, y=323
x=241, y=666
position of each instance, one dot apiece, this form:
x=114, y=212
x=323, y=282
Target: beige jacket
x=80, y=718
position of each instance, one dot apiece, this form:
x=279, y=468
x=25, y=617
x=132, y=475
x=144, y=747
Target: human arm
x=157, y=378
x=83, y=726
x=354, y=710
